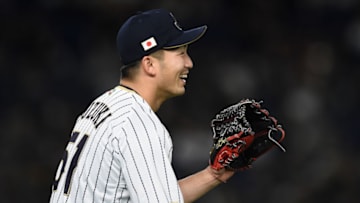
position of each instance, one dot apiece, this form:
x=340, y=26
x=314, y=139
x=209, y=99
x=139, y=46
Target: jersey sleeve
x=145, y=160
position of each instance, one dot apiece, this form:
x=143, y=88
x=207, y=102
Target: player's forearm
x=195, y=186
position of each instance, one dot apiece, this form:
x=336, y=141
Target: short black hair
x=126, y=71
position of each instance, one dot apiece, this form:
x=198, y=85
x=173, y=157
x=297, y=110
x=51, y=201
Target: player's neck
x=147, y=92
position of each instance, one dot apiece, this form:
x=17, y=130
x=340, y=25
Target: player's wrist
x=222, y=175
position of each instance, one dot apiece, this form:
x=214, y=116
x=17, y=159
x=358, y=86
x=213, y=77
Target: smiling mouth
x=184, y=77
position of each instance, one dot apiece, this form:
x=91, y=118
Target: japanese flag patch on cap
x=149, y=43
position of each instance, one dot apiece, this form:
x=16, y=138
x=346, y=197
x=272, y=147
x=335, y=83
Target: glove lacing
x=273, y=140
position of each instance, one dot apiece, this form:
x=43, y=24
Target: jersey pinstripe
x=119, y=151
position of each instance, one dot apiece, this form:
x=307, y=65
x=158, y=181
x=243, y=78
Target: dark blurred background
x=301, y=57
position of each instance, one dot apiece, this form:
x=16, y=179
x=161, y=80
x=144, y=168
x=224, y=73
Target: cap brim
x=188, y=37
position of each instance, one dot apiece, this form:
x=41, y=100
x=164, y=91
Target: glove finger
x=265, y=112
x=278, y=133
x=273, y=120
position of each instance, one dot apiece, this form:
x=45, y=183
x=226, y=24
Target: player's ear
x=148, y=64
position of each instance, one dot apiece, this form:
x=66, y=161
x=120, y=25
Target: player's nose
x=188, y=62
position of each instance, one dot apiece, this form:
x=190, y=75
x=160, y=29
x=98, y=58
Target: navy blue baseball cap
x=149, y=31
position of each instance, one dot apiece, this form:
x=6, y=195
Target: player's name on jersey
x=97, y=112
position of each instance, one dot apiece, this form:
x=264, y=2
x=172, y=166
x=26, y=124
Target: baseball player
x=119, y=151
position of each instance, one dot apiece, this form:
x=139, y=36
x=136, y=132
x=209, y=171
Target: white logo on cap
x=149, y=43
x=176, y=22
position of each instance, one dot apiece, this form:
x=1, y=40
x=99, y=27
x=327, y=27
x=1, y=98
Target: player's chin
x=179, y=91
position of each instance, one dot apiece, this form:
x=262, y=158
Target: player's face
x=174, y=71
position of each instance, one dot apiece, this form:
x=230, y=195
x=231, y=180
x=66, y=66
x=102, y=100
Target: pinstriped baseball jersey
x=119, y=151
